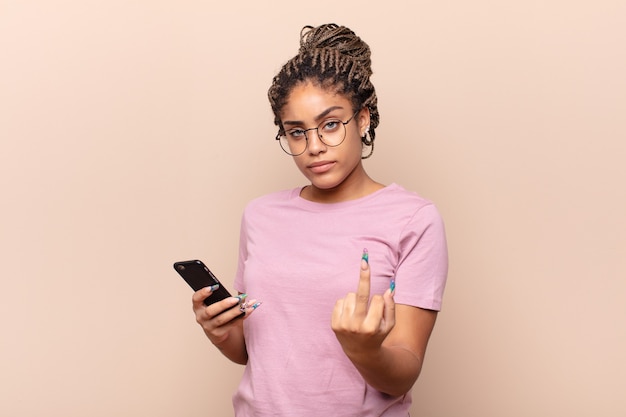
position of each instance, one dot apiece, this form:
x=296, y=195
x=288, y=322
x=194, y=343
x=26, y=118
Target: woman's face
x=328, y=168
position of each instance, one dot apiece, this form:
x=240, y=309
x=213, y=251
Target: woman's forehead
x=312, y=100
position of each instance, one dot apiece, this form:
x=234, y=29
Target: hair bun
x=336, y=38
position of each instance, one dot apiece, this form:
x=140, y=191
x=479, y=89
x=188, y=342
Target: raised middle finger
x=363, y=290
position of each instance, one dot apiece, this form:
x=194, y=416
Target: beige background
x=134, y=132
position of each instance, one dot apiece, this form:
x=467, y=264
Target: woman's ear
x=363, y=119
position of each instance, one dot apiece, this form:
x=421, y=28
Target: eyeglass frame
x=321, y=138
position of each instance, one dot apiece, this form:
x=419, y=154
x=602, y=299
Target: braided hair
x=336, y=59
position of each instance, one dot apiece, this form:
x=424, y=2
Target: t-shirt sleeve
x=423, y=261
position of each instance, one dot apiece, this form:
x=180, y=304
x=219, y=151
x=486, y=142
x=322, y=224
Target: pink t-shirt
x=299, y=258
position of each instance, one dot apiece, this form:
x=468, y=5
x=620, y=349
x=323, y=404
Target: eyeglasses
x=331, y=132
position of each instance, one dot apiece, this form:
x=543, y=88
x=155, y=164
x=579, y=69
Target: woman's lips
x=321, y=167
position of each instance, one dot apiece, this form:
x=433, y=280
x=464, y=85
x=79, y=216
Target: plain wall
x=134, y=132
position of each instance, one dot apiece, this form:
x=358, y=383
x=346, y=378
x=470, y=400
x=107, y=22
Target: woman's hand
x=361, y=324
x=384, y=341
x=219, y=319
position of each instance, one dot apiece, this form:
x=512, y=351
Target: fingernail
x=214, y=287
x=365, y=256
x=245, y=305
x=241, y=297
x=392, y=286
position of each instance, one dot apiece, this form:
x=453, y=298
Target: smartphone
x=198, y=276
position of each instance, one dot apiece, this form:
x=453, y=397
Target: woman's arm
x=224, y=332
x=396, y=365
x=385, y=342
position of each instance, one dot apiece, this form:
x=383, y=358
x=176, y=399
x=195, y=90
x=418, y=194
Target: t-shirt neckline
x=307, y=204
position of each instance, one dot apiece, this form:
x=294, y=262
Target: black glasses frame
x=282, y=133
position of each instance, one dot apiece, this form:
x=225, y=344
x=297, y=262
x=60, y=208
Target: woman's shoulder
x=395, y=194
x=396, y=202
x=273, y=199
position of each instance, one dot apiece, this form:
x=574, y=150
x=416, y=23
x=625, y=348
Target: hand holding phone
x=198, y=276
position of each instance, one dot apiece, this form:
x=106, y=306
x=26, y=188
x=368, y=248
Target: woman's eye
x=331, y=125
x=296, y=133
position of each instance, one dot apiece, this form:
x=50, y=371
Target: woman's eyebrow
x=317, y=118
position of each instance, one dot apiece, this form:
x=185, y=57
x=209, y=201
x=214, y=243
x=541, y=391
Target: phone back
x=198, y=276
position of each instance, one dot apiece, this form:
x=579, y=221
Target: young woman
x=351, y=272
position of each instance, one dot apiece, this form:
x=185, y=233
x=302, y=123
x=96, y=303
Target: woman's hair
x=336, y=59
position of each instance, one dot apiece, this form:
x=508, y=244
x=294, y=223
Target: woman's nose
x=315, y=142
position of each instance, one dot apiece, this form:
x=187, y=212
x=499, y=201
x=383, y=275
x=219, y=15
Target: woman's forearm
x=392, y=370
x=233, y=346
